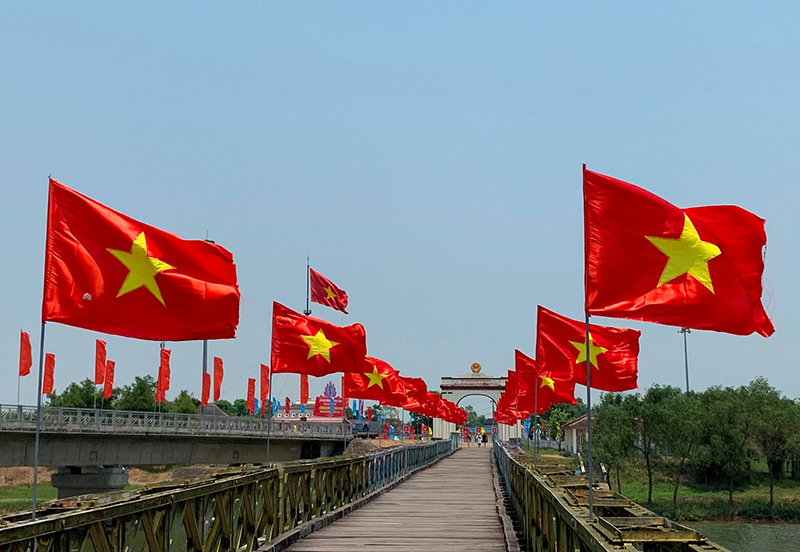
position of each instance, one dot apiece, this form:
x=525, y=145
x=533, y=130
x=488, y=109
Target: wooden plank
x=449, y=507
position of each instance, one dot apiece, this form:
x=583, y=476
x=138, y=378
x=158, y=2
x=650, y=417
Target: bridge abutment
x=80, y=480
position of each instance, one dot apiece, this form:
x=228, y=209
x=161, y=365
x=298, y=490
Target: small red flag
x=647, y=259
x=325, y=292
x=218, y=373
x=99, y=361
x=107, y=272
x=251, y=395
x=25, y=355
x=206, y=389
x=306, y=345
x=303, y=388
x=561, y=351
x=108, y=380
x=49, y=370
x=264, y=383
x=162, y=386
x=288, y=405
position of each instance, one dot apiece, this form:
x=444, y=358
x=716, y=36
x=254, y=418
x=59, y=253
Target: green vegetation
x=740, y=444
x=139, y=396
x=14, y=499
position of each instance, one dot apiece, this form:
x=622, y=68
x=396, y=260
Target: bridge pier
x=77, y=480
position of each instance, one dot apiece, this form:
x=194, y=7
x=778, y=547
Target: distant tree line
x=139, y=396
x=712, y=437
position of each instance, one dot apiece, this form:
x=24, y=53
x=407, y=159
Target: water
x=751, y=537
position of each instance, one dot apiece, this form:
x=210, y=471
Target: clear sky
x=427, y=155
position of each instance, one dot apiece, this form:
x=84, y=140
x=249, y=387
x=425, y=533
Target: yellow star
x=594, y=350
x=686, y=255
x=319, y=345
x=143, y=268
x=547, y=382
x=375, y=378
x=330, y=293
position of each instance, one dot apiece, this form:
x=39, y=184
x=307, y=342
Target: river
x=751, y=537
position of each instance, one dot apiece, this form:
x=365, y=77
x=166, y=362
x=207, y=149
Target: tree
x=559, y=415
x=139, y=395
x=79, y=395
x=681, y=435
x=184, y=403
x=418, y=419
x=652, y=414
x=614, y=430
x=473, y=419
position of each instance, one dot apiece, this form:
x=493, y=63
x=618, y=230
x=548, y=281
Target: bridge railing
x=550, y=503
x=236, y=510
x=86, y=420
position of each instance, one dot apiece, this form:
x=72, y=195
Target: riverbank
x=698, y=502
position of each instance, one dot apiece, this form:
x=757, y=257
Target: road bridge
x=90, y=446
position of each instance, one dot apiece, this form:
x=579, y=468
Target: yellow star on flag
x=330, y=293
x=594, y=350
x=375, y=378
x=686, y=255
x=319, y=345
x=142, y=268
x=548, y=382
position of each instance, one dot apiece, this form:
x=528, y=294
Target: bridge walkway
x=447, y=507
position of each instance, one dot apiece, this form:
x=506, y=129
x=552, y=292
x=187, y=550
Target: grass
x=18, y=498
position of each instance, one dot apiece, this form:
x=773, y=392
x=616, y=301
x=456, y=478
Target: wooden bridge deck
x=447, y=507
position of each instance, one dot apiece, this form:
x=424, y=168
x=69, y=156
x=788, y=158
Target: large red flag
x=561, y=350
x=251, y=395
x=549, y=390
x=647, y=259
x=303, y=388
x=162, y=386
x=264, y=383
x=99, y=361
x=108, y=380
x=377, y=381
x=325, y=292
x=49, y=370
x=25, y=355
x=416, y=393
x=206, y=390
x=218, y=374
x=306, y=345
x=107, y=272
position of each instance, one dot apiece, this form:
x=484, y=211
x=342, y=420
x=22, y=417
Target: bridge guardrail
x=233, y=511
x=86, y=420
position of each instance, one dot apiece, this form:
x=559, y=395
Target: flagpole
x=19, y=376
x=589, y=416
x=308, y=286
x=269, y=412
x=685, y=331
x=203, y=379
x=38, y=420
x=536, y=419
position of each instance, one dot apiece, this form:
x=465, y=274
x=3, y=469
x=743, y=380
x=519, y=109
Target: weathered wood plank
x=449, y=507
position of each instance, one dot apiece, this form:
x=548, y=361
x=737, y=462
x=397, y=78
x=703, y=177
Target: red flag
x=218, y=373
x=306, y=345
x=377, y=381
x=649, y=260
x=344, y=396
x=107, y=272
x=25, y=355
x=49, y=369
x=289, y=405
x=416, y=393
x=251, y=395
x=99, y=361
x=108, y=379
x=162, y=386
x=303, y=388
x=325, y=292
x=264, y=383
x=206, y=389
x=561, y=350
x=550, y=389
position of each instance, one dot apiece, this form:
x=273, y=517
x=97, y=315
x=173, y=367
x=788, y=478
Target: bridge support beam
x=76, y=480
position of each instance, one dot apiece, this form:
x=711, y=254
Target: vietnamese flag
x=107, y=272
x=647, y=259
x=561, y=351
x=549, y=390
x=416, y=393
x=108, y=379
x=325, y=292
x=25, y=355
x=377, y=381
x=305, y=345
x=99, y=361
x=49, y=371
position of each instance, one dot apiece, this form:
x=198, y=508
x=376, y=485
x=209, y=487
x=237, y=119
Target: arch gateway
x=475, y=383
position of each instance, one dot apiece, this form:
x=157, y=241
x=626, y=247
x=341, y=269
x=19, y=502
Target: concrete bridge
x=90, y=446
x=429, y=496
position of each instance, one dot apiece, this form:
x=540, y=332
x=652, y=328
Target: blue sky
x=426, y=155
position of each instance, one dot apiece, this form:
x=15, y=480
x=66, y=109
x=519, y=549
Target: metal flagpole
x=308, y=286
x=589, y=416
x=269, y=412
x=685, y=331
x=536, y=419
x=19, y=377
x=205, y=371
x=38, y=421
